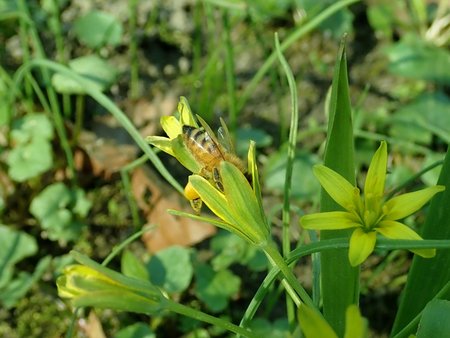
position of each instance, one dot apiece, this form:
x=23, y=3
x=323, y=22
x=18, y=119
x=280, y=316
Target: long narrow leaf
x=428, y=276
x=339, y=279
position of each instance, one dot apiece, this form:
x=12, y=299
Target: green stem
x=204, y=317
x=286, y=216
x=272, y=251
x=134, y=67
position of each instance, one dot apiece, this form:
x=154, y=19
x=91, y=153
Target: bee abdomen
x=200, y=138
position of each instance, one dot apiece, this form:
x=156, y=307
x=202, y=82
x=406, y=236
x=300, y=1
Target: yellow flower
x=369, y=214
x=173, y=144
x=238, y=204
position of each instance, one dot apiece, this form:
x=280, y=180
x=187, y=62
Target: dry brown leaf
x=154, y=197
x=92, y=328
x=102, y=156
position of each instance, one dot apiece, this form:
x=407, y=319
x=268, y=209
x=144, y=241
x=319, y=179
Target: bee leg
x=217, y=180
x=196, y=204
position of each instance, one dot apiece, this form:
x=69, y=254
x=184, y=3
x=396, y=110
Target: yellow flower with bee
x=197, y=148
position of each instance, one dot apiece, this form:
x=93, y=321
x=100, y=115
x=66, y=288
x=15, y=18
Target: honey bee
x=209, y=153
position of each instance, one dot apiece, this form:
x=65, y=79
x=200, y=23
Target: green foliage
x=17, y=288
x=230, y=249
x=304, y=186
x=215, y=288
x=32, y=153
x=97, y=71
x=434, y=322
x=61, y=211
x=98, y=29
x=424, y=116
x=136, y=330
x=16, y=245
x=420, y=288
x=417, y=59
x=131, y=266
x=171, y=268
x=221, y=53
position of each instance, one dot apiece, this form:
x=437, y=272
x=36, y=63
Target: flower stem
x=204, y=317
x=273, y=253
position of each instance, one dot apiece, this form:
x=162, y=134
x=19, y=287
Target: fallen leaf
x=154, y=197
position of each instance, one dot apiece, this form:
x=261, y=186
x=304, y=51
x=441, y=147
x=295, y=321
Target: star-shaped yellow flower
x=369, y=214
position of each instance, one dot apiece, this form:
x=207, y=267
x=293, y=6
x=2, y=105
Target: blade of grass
x=229, y=72
x=286, y=217
x=340, y=283
x=294, y=36
x=428, y=276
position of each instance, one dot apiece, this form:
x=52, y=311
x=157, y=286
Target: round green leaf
x=54, y=207
x=30, y=160
x=215, y=288
x=97, y=29
x=32, y=126
x=171, y=269
x=98, y=72
x=16, y=245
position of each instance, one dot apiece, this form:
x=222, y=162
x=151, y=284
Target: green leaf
x=171, y=269
x=426, y=115
x=57, y=208
x=97, y=29
x=30, y=160
x=17, y=288
x=414, y=58
x=420, y=288
x=339, y=279
x=230, y=249
x=131, y=266
x=434, y=322
x=98, y=72
x=215, y=288
x=263, y=328
x=245, y=135
x=32, y=154
x=136, y=330
x=16, y=245
x=32, y=126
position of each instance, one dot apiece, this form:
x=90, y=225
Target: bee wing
x=224, y=137
x=211, y=134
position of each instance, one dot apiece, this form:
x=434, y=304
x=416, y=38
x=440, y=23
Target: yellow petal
x=162, y=143
x=242, y=203
x=376, y=175
x=186, y=116
x=313, y=324
x=214, y=199
x=403, y=205
x=171, y=126
x=355, y=324
x=332, y=220
x=336, y=186
x=397, y=230
x=361, y=246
